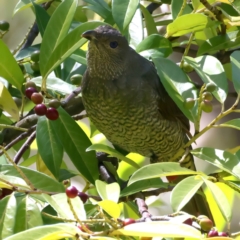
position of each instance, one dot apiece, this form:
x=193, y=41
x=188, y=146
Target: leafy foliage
x=33, y=202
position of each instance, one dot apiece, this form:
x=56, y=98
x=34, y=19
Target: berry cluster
x=73, y=192
x=37, y=98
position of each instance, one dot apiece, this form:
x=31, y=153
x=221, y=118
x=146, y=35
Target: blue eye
x=113, y=44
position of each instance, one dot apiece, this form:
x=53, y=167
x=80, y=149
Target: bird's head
x=107, y=51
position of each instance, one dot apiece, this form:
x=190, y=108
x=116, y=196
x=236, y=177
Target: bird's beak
x=90, y=35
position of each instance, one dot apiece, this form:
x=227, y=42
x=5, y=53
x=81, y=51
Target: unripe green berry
x=35, y=66
x=76, y=79
x=54, y=103
x=187, y=68
x=189, y=103
x=35, y=56
x=206, y=224
x=4, y=25
x=211, y=87
x=207, y=96
x=30, y=84
x=206, y=106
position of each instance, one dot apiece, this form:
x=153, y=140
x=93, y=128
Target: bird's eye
x=113, y=44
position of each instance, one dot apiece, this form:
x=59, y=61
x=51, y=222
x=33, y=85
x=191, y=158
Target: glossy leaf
x=222, y=159
x=9, y=68
x=184, y=191
x=220, y=42
x=70, y=43
x=24, y=4
x=60, y=21
x=7, y=104
x=235, y=63
x=149, y=21
x=176, y=5
x=75, y=143
x=56, y=231
x=234, y=123
x=16, y=181
x=159, y=229
x=110, y=207
x=155, y=41
x=211, y=70
x=108, y=191
x=7, y=214
x=49, y=146
x=177, y=85
x=187, y=23
x=143, y=185
x=220, y=199
x=21, y=216
x=113, y=152
x=40, y=181
x=159, y=170
x=123, y=12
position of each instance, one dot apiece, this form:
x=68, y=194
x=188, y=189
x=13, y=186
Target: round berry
x=211, y=87
x=76, y=79
x=71, y=192
x=187, y=68
x=4, y=26
x=188, y=221
x=189, y=103
x=207, y=96
x=54, y=103
x=222, y=234
x=213, y=233
x=18, y=101
x=37, y=98
x=40, y=109
x=83, y=196
x=29, y=92
x=35, y=67
x=206, y=224
x=171, y=178
x=128, y=221
x=52, y=114
x=30, y=84
x=35, y=56
x=206, y=106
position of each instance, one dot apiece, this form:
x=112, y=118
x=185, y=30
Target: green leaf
x=108, y=191
x=123, y=12
x=188, y=23
x=176, y=5
x=71, y=43
x=21, y=216
x=42, y=18
x=149, y=21
x=177, y=85
x=49, y=146
x=212, y=45
x=39, y=180
x=159, y=170
x=220, y=199
x=184, y=191
x=235, y=62
x=8, y=207
x=155, y=41
x=16, y=181
x=210, y=70
x=143, y=185
x=222, y=159
x=159, y=229
x=79, y=56
x=75, y=143
x=24, y=4
x=234, y=123
x=60, y=21
x=9, y=68
x=113, y=152
x=56, y=231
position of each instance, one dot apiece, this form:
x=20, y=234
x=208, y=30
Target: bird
x=125, y=99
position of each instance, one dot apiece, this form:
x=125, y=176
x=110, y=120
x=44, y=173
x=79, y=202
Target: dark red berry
x=188, y=221
x=52, y=114
x=37, y=98
x=171, y=178
x=71, y=192
x=128, y=221
x=222, y=234
x=40, y=109
x=84, y=197
x=29, y=92
x=213, y=233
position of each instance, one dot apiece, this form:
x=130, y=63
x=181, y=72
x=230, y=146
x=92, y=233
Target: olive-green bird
x=126, y=101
